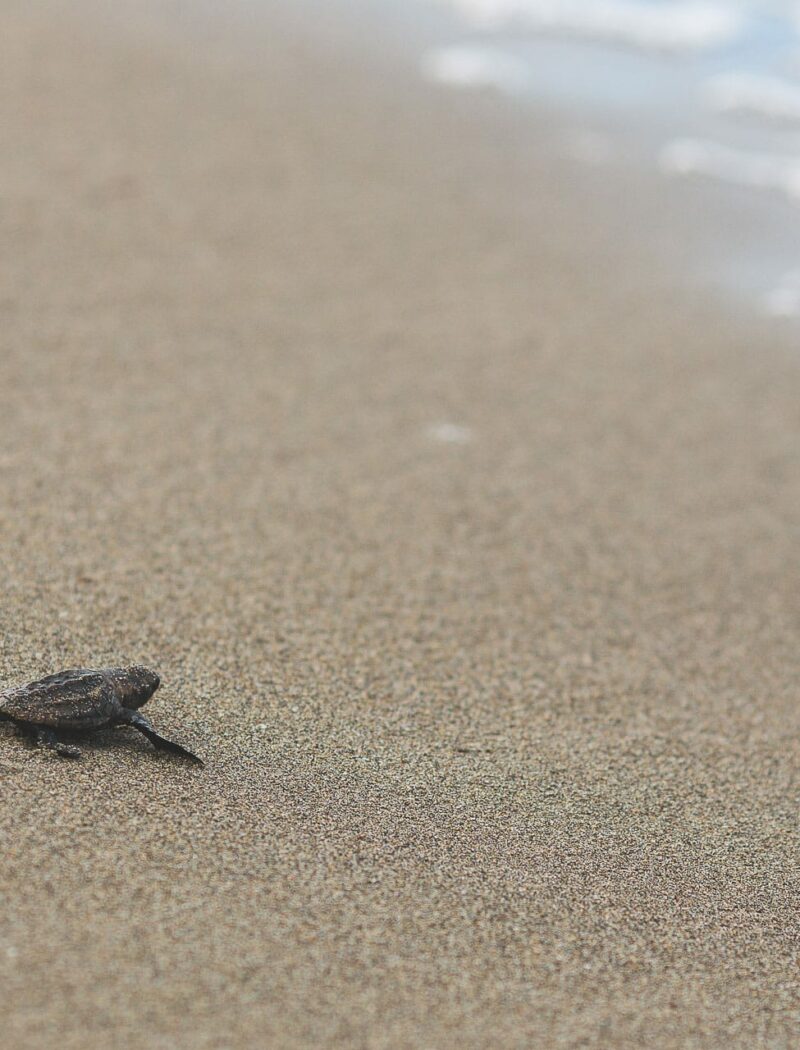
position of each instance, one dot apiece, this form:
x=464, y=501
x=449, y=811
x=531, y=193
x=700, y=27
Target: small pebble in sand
x=450, y=433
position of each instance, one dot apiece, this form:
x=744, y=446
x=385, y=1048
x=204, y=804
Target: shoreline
x=464, y=542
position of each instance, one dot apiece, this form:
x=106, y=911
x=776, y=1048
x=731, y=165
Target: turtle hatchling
x=83, y=700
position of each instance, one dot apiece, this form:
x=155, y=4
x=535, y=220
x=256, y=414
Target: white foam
x=784, y=299
x=764, y=96
x=761, y=170
x=450, y=433
x=471, y=66
x=683, y=25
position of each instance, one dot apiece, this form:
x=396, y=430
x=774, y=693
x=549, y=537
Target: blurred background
x=415, y=387
x=681, y=89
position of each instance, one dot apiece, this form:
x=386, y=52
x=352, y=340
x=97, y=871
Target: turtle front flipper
x=47, y=738
x=133, y=718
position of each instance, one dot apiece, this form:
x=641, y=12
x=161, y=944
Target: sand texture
x=467, y=548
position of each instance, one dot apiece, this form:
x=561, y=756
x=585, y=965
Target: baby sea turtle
x=82, y=700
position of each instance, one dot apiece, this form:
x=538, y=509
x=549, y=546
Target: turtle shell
x=74, y=699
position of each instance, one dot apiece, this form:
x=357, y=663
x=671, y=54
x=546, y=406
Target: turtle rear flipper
x=133, y=718
x=42, y=736
x=47, y=738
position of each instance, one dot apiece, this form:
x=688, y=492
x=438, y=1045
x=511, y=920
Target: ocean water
x=700, y=90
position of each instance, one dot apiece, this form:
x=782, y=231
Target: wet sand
x=466, y=545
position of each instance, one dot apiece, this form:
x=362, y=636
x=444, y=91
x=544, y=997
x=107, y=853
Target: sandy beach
x=466, y=545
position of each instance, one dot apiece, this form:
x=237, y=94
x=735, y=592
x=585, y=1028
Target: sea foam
x=685, y=25
x=473, y=65
x=757, y=95
x=761, y=170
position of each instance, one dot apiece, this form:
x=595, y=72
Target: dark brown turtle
x=83, y=700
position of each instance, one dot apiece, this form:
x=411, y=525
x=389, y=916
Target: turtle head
x=138, y=685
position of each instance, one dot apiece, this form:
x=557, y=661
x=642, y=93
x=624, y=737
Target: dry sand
x=502, y=732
